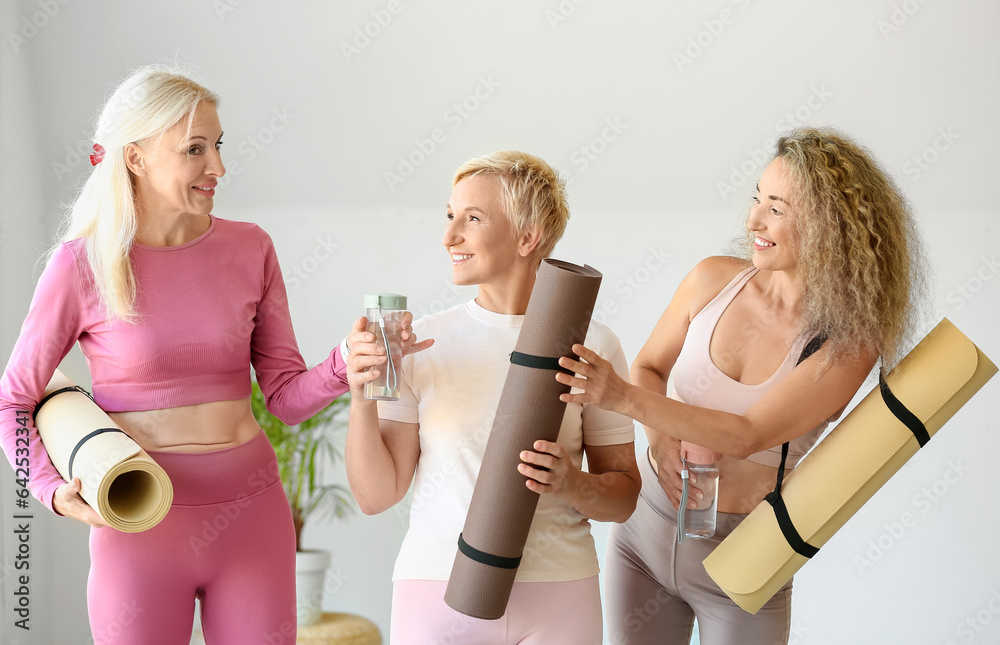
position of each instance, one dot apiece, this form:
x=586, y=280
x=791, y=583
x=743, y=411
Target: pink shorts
x=538, y=613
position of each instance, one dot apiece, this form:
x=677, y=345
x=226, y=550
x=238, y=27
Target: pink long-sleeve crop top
x=209, y=309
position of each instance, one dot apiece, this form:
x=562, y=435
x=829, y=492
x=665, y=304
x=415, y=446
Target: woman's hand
x=666, y=453
x=550, y=471
x=67, y=501
x=364, y=353
x=408, y=340
x=597, y=378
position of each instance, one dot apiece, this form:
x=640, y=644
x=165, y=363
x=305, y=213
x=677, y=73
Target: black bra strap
x=488, y=559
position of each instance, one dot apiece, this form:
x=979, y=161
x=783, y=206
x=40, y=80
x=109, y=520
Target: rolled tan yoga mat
x=843, y=472
x=118, y=479
x=502, y=507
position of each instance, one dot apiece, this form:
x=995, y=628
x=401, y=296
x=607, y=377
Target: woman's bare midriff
x=191, y=428
x=742, y=483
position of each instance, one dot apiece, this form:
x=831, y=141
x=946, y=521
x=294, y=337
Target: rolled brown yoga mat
x=846, y=469
x=118, y=479
x=502, y=507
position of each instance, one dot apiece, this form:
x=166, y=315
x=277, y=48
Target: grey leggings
x=655, y=587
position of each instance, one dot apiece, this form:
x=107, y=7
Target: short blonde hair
x=532, y=195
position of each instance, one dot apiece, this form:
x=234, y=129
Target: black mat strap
x=538, y=362
x=901, y=412
x=488, y=559
x=774, y=498
x=80, y=443
x=74, y=388
x=792, y=536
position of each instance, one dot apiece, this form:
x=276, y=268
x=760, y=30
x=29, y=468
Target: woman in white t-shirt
x=507, y=211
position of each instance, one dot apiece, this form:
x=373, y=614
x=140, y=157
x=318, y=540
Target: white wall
x=662, y=189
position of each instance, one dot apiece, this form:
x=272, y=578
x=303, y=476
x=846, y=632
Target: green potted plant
x=304, y=452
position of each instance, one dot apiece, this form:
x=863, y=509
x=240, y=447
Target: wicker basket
x=340, y=629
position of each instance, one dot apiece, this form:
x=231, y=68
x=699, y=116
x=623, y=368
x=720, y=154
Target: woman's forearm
x=371, y=470
x=727, y=433
x=606, y=497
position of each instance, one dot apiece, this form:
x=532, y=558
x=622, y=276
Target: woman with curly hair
x=762, y=351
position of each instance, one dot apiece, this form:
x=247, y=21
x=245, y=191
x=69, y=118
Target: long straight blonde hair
x=146, y=104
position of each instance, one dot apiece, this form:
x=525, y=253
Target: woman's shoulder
x=448, y=318
x=67, y=256
x=239, y=228
x=709, y=277
x=602, y=339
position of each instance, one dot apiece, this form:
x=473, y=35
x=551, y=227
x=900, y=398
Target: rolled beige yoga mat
x=118, y=479
x=845, y=470
x=502, y=507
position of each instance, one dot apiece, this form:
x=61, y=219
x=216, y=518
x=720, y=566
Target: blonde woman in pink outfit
x=172, y=306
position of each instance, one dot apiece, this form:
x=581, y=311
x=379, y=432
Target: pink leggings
x=228, y=539
x=539, y=613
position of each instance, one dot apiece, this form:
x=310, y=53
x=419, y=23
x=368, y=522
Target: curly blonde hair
x=860, y=258
x=532, y=194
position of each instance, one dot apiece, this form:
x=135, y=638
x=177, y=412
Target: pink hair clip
x=98, y=154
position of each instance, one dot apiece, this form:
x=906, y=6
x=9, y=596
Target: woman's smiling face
x=774, y=245
x=180, y=169
x=479, y=236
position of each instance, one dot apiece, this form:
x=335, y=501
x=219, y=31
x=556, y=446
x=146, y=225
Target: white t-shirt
x=452, y=391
